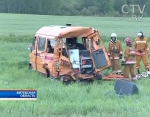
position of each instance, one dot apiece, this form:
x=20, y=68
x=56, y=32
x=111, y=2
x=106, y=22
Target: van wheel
x=86, y=81
x=68, y=82
x=47, y=73
x=30, y=67
x=99, y=77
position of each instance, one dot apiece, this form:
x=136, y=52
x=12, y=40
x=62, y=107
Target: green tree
x=118, y=5
x=147, y=8
x=104, y=7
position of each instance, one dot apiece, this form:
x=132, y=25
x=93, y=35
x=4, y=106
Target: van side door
x=40, y=54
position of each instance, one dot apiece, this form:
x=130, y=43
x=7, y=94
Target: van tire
x=30, y=66
x=99, y=77
x=68, y=82
x=47, y=73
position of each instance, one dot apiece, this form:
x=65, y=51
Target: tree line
x=76, y=7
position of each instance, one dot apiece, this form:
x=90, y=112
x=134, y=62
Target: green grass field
x=55, y=99
x=19, y=24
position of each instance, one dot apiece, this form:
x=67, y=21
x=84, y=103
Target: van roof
x=65, y=31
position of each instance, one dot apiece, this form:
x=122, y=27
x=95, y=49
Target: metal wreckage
x=57, y=53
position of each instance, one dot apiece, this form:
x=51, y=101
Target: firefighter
x=129, y=60
x=141, y=51
x=115, y=53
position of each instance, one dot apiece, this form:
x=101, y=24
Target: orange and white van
x=69, y=53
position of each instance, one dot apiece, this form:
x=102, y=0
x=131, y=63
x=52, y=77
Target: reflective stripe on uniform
x=137, y=67
x=140, y=42
x=116, y=71
x=147, y=49
x=132, y=52
x=130, y=62
x=121, y=52
x=147, y=67
x=114, y=58
x=137, y=53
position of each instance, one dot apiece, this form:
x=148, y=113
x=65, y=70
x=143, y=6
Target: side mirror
x=29, y=47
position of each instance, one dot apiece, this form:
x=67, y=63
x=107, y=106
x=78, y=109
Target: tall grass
x=55, y=99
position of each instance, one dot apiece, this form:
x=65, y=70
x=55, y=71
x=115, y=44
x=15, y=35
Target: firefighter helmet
x=113, y=37
x=128, y=41
x=140, y=34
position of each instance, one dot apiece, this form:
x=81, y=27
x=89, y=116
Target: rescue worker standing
x=129, y=60
x=115, y=53
x=141, y=51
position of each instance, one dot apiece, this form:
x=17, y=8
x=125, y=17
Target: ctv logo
x=141, y=10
